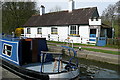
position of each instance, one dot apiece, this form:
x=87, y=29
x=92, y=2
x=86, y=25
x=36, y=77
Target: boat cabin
x=24, y=51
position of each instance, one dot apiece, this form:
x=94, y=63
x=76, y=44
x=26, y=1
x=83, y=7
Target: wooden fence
x=111, y=41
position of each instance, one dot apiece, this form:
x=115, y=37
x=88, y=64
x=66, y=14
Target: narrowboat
x=30, y=58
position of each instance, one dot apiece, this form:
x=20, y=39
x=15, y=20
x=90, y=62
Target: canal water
x=95, y=70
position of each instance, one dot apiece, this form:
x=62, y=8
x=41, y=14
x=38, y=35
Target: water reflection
x=91, y=69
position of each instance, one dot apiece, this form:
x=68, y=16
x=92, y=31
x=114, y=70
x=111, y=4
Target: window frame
x=75, y=31
x=39, y=32
x=7, y=50
x=54, y=31
x=29, y=31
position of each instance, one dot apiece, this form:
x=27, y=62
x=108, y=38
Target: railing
x=68, y=42
x=52, y=37
x=73, y=57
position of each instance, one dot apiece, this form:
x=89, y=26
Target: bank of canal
x=91, y=55
x=95, y=69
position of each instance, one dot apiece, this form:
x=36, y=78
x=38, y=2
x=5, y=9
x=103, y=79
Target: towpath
x=98, y=56
x=7, y=75
x=94, y=47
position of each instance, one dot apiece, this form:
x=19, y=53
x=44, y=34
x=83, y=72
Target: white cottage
x=79, y=25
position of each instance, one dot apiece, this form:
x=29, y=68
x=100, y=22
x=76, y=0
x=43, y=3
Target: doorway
x=93, y=33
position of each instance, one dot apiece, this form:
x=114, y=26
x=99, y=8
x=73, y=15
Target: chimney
x=71, y=5
x=42, y=10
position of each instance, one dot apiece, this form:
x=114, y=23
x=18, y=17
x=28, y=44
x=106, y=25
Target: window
x=92, y=32
x=74, y=30
x=54, y=31
x=39, y=30
x=7, y=50
x=28, y=31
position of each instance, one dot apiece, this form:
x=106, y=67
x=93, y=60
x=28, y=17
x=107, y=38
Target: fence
x=111, y=41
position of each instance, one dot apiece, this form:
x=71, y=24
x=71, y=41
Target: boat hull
x=22, y=72
x=30, y=74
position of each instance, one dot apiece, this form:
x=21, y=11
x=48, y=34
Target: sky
x=63, y=4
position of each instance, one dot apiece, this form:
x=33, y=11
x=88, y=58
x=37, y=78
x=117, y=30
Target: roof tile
x=78, y=16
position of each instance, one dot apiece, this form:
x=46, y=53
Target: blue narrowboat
x=30, y=59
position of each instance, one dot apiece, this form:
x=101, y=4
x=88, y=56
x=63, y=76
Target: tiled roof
x=77, y=16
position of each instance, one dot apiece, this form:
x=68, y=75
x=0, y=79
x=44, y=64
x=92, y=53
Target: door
x=92, y=35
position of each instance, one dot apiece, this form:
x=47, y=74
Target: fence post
x=58, y=37
x=48, y=36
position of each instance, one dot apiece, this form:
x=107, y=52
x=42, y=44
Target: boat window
x=7, y=50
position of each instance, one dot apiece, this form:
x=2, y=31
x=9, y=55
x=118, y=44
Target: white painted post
x=76, y=29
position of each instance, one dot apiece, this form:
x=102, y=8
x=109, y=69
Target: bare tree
x=111, y=17
x=109, y=12
x=55, y=9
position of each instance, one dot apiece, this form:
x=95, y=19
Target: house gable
x=95, y=14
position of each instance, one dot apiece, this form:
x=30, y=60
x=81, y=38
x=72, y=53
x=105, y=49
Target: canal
x=90, y=70
x=93, y=70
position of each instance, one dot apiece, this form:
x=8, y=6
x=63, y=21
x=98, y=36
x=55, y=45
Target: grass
x=102, y=51
x=109, y=46
x=89, y=49
x=113, y=46
x=73, y=43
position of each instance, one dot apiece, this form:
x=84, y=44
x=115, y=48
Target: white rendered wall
x=84, y=34
x=63, y=33
x=33, y=32
x=75, y=39
x=95, y=22
x=45, y=32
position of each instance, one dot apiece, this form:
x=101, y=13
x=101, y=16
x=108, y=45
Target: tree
x=55, y=9
x=110, y=18
x=15, y=14
x=109, y=12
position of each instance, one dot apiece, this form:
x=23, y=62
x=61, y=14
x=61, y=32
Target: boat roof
x=9, y=38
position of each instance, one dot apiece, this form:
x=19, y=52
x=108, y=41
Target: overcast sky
x=63, y=4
